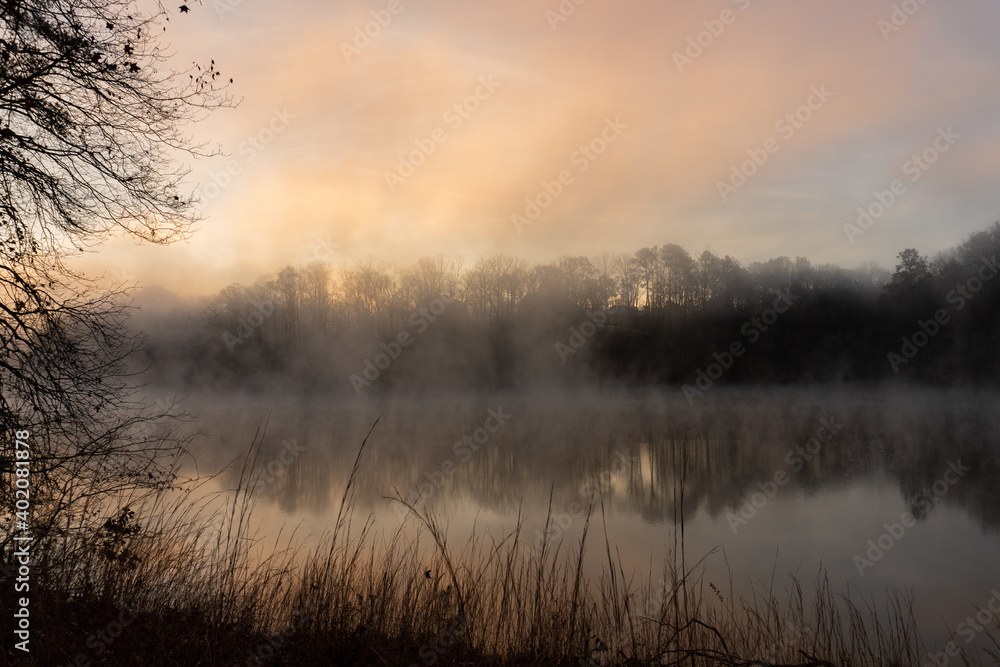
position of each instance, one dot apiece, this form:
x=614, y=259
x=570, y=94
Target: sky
x=395, y=129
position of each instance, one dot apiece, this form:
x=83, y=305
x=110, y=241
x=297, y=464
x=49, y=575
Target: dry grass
x=208, y=592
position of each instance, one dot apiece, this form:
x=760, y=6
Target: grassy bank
x=187, y=583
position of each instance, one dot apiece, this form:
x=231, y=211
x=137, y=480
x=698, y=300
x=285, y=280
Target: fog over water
x=770, y=425
x=884, y=488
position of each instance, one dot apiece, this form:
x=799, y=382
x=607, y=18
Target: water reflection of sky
x=634, y=449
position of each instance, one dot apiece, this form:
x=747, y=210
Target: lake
x=881, y=488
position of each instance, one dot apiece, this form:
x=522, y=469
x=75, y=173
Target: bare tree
x=428, y=279
x=369, y=288
x=605, y=285
x=495, y=285
x=680, y=271
x=316, y=300
x=629, y=278
x=870, y=277
x=91, y=121
x=648, y=263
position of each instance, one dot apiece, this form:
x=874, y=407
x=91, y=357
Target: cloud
x=657, y=183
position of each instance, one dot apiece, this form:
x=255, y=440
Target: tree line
x=663, y=315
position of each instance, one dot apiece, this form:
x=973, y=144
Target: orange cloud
x=557, y=82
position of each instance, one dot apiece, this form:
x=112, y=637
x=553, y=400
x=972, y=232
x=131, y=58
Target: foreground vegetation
x=191, y=586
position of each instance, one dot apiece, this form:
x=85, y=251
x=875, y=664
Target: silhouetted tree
x=870, y=277
x=581, y=281
x=628, y=275
x=647, y=263
x=834, y=327
x=368, y=289
x=911, y=276
x=91, y=118
x=605, y=285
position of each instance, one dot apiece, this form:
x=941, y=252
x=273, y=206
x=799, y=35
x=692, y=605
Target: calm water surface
x=884, y=489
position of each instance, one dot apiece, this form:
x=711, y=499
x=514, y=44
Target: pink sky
x=674, y=124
